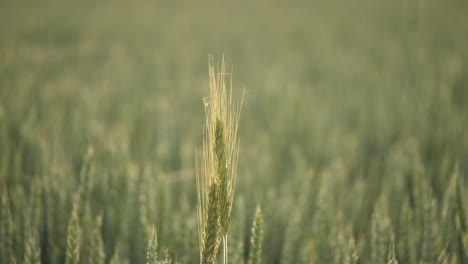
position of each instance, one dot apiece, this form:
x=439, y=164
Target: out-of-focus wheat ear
x=6, y=229
x=443, y=258
x=144, y=204
x=429, y=246
x=462, y=210
x=96, y=253
x=391, y=253
x=322, y=222
x=345, y=246
x=308, y=254
x=116, y=257
x=152, y=252
x=73, y=237
x=461, y=204
x=379, y=224
x=32, y=254
x=465, y=245
x=87, y=226
x=408, y=245
x=18, y=207
x=353, y=256
x=448, y=228
x=167, y=257
x=256, y=240
x=33, y=213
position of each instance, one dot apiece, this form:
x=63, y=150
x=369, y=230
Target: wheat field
x=234, y=132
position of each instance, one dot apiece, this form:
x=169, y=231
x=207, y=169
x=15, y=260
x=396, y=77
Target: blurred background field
x=353, y=134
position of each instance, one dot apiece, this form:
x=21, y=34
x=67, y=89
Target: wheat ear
x=216, y=172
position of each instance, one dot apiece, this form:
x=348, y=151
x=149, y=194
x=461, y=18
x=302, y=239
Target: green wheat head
x=391, y=254
x=97, y=254
x=152, y=254
x=216, y=172
x=32, y=253
x=73, y=237
x=6, y=229
x=256, y=239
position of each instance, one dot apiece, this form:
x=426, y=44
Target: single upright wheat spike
x=7, y=253
x=216, y=172
x=73, y=237
x=256, y=239
x=391, y=253
x=97, y=254
x=151, y=253
x=32, y=253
